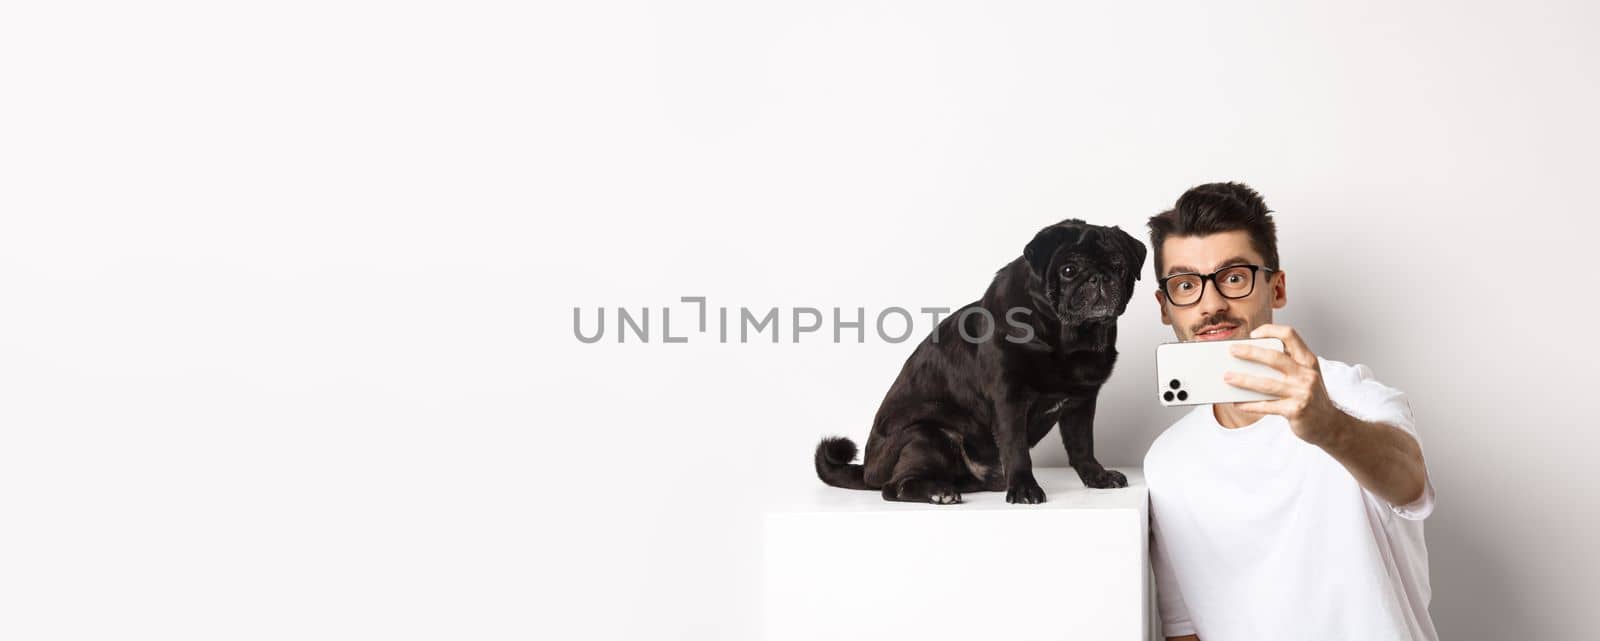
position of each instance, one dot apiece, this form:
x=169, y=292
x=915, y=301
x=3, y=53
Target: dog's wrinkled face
x=1085, y=272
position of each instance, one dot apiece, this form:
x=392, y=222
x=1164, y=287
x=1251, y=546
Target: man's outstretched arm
x=1383, y=458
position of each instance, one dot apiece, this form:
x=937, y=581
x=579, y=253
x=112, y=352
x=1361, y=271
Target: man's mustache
x=1217, y=320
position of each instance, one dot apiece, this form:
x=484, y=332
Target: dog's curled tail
x=833, y=458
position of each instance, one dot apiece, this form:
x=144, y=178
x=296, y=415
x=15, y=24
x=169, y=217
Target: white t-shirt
x=1256, y=534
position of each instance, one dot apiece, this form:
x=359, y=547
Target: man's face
x=1207, y=254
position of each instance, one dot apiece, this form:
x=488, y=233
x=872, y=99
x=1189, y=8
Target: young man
x=1297, y=518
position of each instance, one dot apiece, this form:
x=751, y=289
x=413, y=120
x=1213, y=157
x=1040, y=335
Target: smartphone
x=1190, y=373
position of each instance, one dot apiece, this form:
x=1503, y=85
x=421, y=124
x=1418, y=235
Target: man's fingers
x=1256, y=383
x=1278, y=360
x=1292, y=344
x=1263, y=407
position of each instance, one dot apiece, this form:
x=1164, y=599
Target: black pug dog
x=979, y=391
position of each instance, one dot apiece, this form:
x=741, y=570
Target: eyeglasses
x=1234, y=281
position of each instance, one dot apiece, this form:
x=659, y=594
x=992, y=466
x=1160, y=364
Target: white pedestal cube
x=843, y=564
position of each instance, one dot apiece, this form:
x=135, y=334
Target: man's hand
x=1382, y=458
x=1303, y=399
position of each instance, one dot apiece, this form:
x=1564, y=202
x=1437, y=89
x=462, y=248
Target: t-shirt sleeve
x=1376, y=402
x=1169, y=601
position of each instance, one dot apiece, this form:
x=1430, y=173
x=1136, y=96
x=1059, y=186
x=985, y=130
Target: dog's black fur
x=962, y=414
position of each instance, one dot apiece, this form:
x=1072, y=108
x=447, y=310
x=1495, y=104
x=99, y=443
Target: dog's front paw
x=1103, y=478
x=1023, y=489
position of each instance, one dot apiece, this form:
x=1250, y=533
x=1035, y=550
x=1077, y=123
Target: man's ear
x=1134, y=248
x=1166, y=319
x=1044, y=243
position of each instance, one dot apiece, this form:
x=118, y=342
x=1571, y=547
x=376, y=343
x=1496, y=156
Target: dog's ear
x=1044, y=243
x=1132, y=246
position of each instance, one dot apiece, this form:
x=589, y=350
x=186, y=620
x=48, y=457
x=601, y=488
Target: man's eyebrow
x=1236, y=260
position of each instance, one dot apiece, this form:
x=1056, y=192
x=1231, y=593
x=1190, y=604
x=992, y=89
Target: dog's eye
x=1069, y=271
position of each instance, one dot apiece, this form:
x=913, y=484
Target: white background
x=286, y=343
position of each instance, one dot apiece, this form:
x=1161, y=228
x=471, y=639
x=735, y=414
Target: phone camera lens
x=1167, y=396
x=1173, y=384
x=1182, y=396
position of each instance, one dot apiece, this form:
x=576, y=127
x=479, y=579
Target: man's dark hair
x=1214, y=208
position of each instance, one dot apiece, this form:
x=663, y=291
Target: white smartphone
x=1190, y=373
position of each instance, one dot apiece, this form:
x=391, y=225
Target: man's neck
x=1230, y=417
